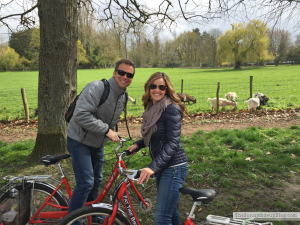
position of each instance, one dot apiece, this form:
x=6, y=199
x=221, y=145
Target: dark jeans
x=168, y=183
x=87, y=164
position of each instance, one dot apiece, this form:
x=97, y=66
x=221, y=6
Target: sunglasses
x=122, y=73
x=161, y=87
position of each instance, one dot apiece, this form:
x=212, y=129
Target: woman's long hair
x=170, y=92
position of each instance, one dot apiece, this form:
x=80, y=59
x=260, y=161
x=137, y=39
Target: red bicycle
x=48, y=203
x=112, y=214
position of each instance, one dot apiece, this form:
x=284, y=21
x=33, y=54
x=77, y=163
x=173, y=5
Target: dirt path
x=14, y=131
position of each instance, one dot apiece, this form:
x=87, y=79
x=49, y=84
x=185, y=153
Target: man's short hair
x=125, y=61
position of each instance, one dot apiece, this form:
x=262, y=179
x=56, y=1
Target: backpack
x=71, y=108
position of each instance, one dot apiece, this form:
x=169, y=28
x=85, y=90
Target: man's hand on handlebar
x=113, y=136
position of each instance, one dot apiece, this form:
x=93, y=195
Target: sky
x=181, y=26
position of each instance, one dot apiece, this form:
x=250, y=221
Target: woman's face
x=157, y=94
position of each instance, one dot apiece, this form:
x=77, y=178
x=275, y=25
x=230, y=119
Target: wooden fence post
x=25, y=104
x=251, y=80
x=218, y=89
x=181, y=85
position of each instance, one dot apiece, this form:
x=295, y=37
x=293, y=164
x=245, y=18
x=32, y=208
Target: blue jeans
x=168, y=183
x=87, y=164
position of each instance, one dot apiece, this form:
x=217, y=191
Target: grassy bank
x=280, y=84
x=252, y=170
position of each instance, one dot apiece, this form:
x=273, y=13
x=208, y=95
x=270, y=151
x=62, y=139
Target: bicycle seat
x=52, y=159
x=204, y=195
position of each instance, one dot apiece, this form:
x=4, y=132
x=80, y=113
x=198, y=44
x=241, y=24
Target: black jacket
x=165, y=147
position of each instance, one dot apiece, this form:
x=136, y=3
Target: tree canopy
x=244, y=43
x=8, y=58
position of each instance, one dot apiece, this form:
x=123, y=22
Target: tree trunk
x=237, y=65
x=200, y=63
x=57, y=74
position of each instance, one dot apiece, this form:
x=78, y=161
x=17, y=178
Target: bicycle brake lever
x=133, y=175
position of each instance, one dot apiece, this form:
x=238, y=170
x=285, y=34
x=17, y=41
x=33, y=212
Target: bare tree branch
x=168, y=12
x=26, y=21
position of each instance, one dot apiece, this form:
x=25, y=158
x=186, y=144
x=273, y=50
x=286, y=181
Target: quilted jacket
x=165, y=147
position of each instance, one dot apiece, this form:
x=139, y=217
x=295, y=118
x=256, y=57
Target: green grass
x=280, y=84
x=217, y=160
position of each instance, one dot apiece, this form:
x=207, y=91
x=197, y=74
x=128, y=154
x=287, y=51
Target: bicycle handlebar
x=138, y=173
x=133, y=174
x=129, y=152
x=121, y=144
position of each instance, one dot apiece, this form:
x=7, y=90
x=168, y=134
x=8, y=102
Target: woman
x=161, y=133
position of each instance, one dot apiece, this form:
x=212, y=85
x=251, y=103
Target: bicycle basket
x=15, y=207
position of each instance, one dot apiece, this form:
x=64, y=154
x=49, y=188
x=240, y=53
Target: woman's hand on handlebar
x=113, y=136
x=132, y=148
x=145, y=174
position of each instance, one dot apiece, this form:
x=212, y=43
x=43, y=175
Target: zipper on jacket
x=161, y=145
x=113, y=115
x=150, y=150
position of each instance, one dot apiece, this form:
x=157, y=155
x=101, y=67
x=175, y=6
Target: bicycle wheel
x=85, y=212
x=41, y=191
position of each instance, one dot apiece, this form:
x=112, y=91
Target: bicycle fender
x=108, y=206
x=50, y=186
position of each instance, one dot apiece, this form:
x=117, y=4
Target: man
x=91, y=127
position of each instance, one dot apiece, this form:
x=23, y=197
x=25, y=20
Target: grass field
x=252, y=170
x=280, y=84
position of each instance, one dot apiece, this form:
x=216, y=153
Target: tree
x=293, y=54
x=189, y=46
x=20, y=42
x=156, y=57
x=215, y=34
x=280, y=41
x=8, y=58
x=137, y=45
x=170, y=54
x=81, y=53
x=57, y=74
x=248, y=43
x=35, y=46
x=297, y=42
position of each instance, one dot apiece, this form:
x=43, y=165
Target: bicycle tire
x=84, y=212
x=41, y=192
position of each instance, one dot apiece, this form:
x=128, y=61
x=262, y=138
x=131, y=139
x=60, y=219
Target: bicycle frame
x=52, y=216
x=121, y=193
x=39, y=217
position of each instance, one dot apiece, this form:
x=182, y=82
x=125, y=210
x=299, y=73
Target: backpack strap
x=125, y=112
x=105, y=92
x=126, y=100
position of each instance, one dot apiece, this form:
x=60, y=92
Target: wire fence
x=282, y=93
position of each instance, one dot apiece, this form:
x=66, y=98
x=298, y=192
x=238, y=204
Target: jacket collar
x=115, y=88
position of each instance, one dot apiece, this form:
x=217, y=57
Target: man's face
x=123, y=81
